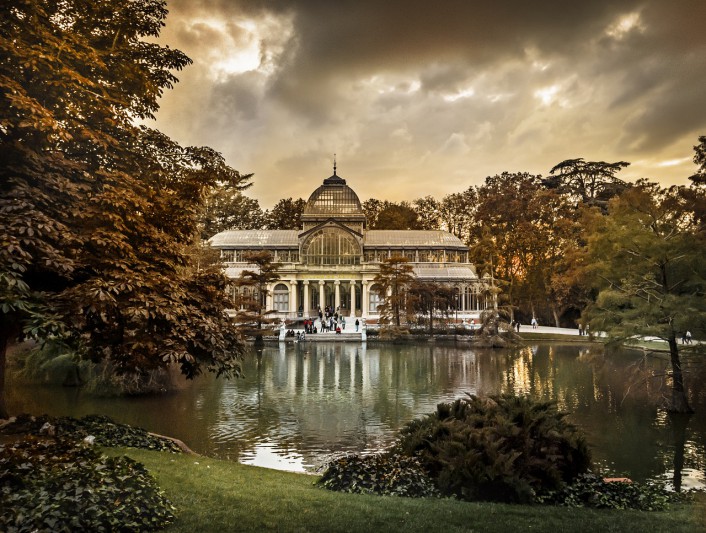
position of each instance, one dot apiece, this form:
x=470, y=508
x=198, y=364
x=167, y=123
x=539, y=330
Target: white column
x=364, y=304
x=352, y=304
x=321, y=294
x=293, y=297
x=268, y=300
x=337, y=292
x=307, y=305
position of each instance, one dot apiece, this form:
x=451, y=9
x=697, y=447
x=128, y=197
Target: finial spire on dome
x=334, y=164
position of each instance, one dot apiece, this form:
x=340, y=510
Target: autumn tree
x=97, y=214
x=394, y=279
x=647, y=262
x=286, y=214
x=252, y=315
x=593, y=183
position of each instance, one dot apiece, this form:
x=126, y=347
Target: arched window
x=375, y=298
x=331, y=246
x=281, y=298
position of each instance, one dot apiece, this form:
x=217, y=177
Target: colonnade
x=352, y=298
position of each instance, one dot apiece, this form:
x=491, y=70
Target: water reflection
x=299, y=405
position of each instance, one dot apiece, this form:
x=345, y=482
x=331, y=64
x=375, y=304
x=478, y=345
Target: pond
x=300, y=405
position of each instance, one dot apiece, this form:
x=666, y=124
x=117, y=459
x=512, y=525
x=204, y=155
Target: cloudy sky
x=424, y=98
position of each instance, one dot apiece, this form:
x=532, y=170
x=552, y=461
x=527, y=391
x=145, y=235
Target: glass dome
x=333, y=198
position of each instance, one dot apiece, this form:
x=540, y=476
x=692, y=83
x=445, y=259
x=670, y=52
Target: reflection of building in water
x=333, y=259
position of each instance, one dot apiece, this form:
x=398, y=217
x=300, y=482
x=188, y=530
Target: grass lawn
x=218, y=496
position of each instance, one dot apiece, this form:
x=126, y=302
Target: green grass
x=215, y=495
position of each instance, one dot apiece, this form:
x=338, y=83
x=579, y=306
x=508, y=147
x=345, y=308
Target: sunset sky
x=424, y=98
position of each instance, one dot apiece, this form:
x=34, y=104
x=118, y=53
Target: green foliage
x=382, y=474
x=504, y=448
x=68, y=486
x=105, y=431
x=646, y=261
x=286, y=214
x=590, y=490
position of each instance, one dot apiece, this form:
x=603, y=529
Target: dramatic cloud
x=419, y=100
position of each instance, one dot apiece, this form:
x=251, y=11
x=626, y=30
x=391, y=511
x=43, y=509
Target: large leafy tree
x=397, y=217
x=286, y=214
x=648, y=264
x=97, y=215
x=457, y=211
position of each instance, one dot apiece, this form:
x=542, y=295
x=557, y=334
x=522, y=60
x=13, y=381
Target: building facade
x=333, y=259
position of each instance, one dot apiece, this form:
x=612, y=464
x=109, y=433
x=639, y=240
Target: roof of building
x=446, y=272
x=411, y=238
x=256, y=238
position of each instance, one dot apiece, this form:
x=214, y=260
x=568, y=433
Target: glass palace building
x=333, y=259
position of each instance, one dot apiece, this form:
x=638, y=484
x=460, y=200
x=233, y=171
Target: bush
x=383, y=474
x=590, y=490
x=504, y=448
x=62, y=485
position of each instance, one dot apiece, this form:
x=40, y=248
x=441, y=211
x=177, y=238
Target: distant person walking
x=357, y=323
x=534, y=323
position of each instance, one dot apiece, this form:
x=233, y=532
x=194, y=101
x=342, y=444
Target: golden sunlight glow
x=624, y=25
x=547, y=94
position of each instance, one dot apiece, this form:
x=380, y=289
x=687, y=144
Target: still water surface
x=300, y=405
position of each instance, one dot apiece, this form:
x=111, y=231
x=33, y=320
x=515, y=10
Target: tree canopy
x=97, y=214
x=647, y=261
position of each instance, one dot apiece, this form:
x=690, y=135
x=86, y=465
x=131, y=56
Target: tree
x=227, y=208
x=428, y=212
x=647, y=262
x=396, y=217
x=394, y=279
x=700, y=159
x=590, y=182
x=457, y=211
x=251, y=298
x=430, y=298
x=96, y=214
x=286, y=214
x=371, y=210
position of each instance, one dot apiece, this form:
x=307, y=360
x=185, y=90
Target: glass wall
x=330, y=246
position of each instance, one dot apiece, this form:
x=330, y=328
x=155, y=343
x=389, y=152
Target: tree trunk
x=8, y=333
x=680, y=404
x=3, y=357
x=555, y=312
x=678, y=422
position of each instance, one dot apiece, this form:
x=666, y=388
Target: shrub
x=590, y=490
x=504, y=448
x=382, y=474
x=62, y=485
